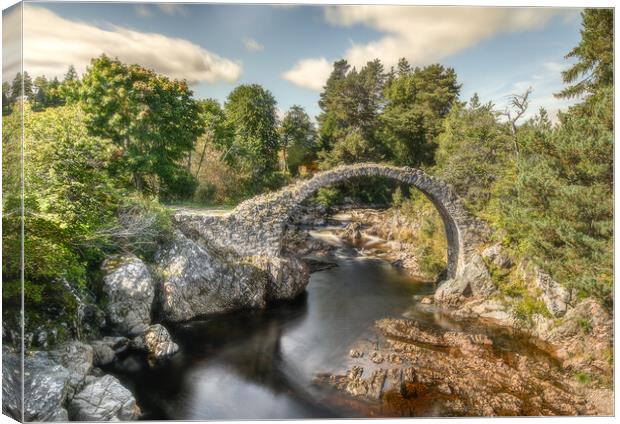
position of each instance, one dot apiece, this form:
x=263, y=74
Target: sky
x=290, y=49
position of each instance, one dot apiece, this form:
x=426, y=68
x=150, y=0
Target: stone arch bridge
x=254, y=230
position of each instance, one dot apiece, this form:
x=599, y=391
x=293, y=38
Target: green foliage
x=251, y=113
x=69, y=90
x=585, y=325
x=218, y=135
x=142, y=225
x=351, y=148
x=474, y=151
x=421, y=225
x=583, y=378
x=557, y=207
x=75, y=214
x=397, y=197
x=528, y=306
x=298, y=139
x=416, y=101
x=594, y=54
x=328, y=196
x=21, y=85
x=350, y=104
x=152, y=120
x=69, y=202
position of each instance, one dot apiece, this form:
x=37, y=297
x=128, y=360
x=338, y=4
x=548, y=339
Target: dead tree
x=517, y=106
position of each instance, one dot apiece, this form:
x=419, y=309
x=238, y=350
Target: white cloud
x=252, y=45
x=52, y=43
x=173, y=9
x=309, y=73
x=143, y=11
x=11, y=43
x=425, y=35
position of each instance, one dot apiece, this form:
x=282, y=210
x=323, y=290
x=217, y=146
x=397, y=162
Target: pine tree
x=594, y=53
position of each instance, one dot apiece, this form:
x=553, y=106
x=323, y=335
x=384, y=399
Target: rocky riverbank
x=575, y=335
x=69, y=381
x=406, y=369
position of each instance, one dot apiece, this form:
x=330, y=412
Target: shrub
x=142, y=225
x=528, y=306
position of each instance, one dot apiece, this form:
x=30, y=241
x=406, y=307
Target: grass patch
x=528, y=306
x=585, y=325
x=583, y=378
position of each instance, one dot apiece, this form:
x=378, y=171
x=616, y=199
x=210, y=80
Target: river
x=263, y=364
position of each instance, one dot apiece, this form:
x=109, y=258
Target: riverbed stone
x=474, y=280
x=104, y=399
x=106, y=350
x=158, y=342
x=130, y=291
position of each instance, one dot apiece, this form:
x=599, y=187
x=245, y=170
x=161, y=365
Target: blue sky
x=289, y=50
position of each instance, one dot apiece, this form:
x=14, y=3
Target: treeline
x=42, y=93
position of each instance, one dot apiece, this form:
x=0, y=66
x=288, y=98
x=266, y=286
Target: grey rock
x=476, y=272
x=93, y=318
x=11, y=383
x=497, y=256
x=104, y=399
x=556, y=298
x=47, y=386
x=106, y=349
x=473, y=280
x=60, y=415
x=130, y=290
x=77, y=358
x=158, y=342
x=198, y=281
x=103, y=353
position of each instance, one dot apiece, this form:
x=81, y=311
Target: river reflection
x=260, y=364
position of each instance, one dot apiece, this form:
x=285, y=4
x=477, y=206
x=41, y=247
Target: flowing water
x=261, y=364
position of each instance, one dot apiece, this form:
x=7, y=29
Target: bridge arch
x=268, y=214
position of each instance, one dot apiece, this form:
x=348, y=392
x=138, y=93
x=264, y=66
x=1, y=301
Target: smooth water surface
x=260, y=364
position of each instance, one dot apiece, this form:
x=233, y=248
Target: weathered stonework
x=254, y=233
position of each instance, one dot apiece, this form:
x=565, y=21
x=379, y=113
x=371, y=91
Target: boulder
x=77, y=358
x=93, y=318
x=477, y=275
x=47, y=386
x=106, y=350
x=11, y=383
x=473, y=280
x=130, y=290
x=104, y=399
x=197, y=280
x=158, y=342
